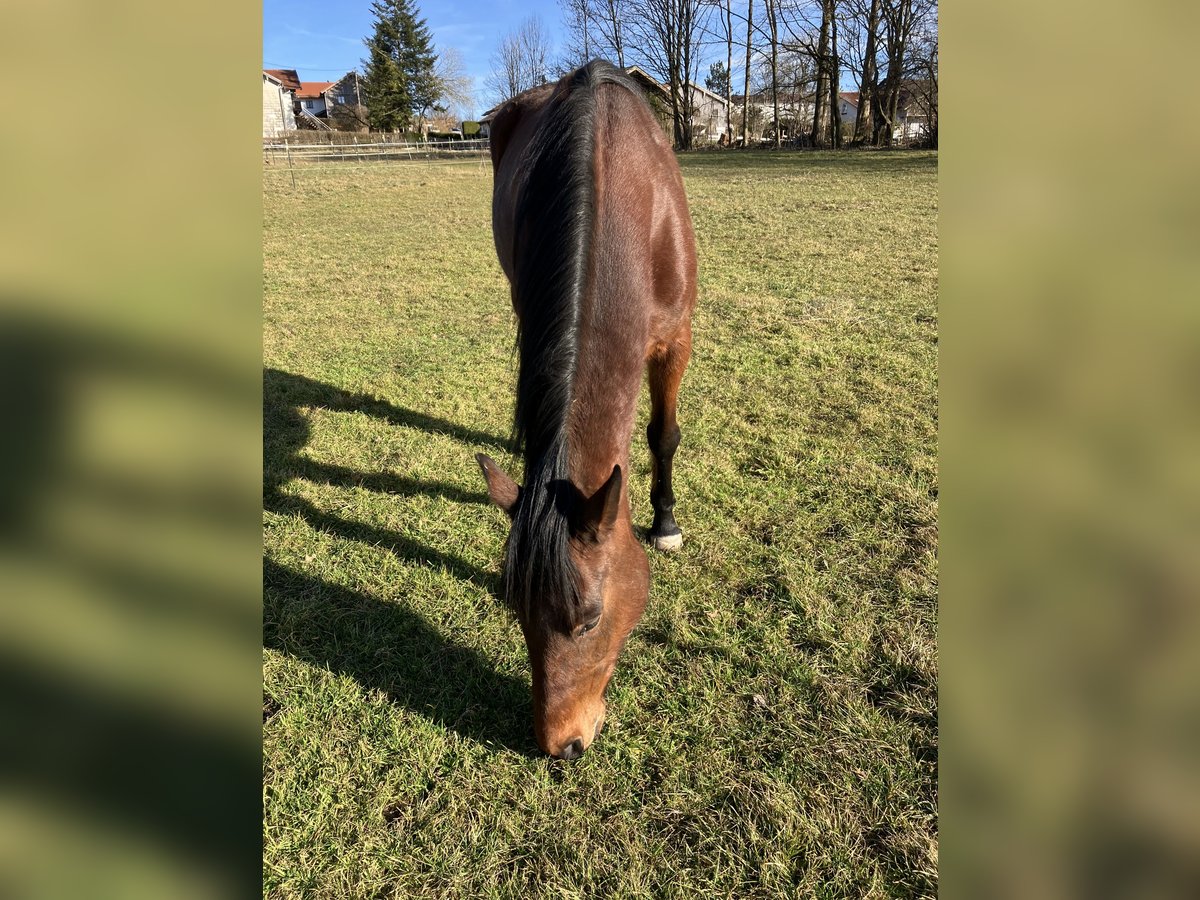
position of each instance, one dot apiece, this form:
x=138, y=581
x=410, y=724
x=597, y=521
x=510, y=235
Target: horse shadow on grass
x=382, y=645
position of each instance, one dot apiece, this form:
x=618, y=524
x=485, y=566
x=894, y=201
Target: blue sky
x=323, y=40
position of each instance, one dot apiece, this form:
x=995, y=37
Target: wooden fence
x=286, y=153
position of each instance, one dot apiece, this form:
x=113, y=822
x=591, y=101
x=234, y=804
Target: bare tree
x=923, y=70
x=772, y=9
x=666, y=35
x=833, y=73
x=899, y=19
x=349, y=117
x=796, y=77
x=456, y=89
x=820, y=54
x=724, y=8
x=578, y=18
x=521, y=61
x=506, y=79
x=746, y=88
x=611, y=16
x=729, y=71
x=869, y=82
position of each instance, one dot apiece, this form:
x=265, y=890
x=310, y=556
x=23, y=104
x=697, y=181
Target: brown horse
x=592, y=229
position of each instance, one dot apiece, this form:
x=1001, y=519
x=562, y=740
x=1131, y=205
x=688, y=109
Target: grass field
x=772, y=725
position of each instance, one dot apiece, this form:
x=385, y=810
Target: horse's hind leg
x=666, y=371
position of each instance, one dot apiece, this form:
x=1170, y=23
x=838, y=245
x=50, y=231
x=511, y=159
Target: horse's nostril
x=573, y=750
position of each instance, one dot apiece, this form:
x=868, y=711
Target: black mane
x=553, y=236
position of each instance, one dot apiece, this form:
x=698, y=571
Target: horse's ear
x=503, y=490
x=599, y=512
x=504, y=122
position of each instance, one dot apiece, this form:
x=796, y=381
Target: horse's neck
x=605, y=391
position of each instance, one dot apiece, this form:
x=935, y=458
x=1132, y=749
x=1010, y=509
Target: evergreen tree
x=717, y=79
x=417, y=60
x=399, y=78
x=388, y=105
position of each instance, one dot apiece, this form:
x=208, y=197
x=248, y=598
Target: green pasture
x=772, y=725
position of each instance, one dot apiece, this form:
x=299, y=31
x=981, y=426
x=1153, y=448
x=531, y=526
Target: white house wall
x=278, y=116
x=313, y=106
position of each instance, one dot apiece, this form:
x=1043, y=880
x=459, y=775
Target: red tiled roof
x=850, y=97
x=310, y=90
x=289, y=77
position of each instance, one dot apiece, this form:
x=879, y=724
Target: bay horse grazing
x=592, y=229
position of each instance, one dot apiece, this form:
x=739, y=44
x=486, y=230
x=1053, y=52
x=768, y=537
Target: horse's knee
x=663, y=441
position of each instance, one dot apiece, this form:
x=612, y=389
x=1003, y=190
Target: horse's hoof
x=667, y=543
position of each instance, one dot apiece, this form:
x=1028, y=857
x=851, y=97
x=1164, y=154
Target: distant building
x=914, y=105
x=312, y=97
x=288, y=77
x=278, y=106
x=795, y=114
x=708, y=109
x=346, y=91
x=319, y=100
x=848, y=105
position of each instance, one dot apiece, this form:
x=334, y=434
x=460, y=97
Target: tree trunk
x=676, y=41
x=880, y=126
x=729, y=70
x=773, y=21
x=676, y=119
x=818, y=126
x=746, y=88
x=898, y=19
x=868, y=87
x=587, y=51
x=835, y=106
x=686, y=22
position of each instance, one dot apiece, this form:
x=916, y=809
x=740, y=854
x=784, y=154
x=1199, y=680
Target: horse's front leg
x=666, y=370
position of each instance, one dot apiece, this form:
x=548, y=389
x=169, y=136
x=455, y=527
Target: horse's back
x=643, y=250
x=644, y=241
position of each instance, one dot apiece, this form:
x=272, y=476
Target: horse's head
x=573, y=646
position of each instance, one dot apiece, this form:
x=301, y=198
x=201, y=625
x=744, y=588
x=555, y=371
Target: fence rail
x=287, y=153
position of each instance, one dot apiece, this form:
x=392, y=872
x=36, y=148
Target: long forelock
x=539, y=574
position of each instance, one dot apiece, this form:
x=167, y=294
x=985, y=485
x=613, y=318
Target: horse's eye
x=588, y=626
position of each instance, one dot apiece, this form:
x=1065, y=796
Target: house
x=346, y=91
x=708, y=109
x=795, y=113
x=708, y=117
x=289, y=77
x=319, y=100
x=311, y=97
x=344, y=104
x=485, y=121
x=912, y=111
x=916, y=112
x=278, y=112
x=848, y=105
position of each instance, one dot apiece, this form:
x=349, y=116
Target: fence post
x=288, y=147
